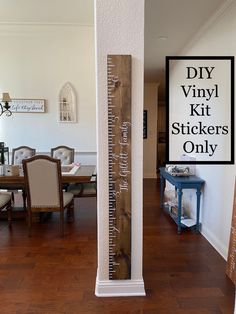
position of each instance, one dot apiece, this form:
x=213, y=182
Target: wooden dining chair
x=18, y=155
x=6, y=203
x=44, y=191
x=64, y=153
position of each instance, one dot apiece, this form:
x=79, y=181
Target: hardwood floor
x=182, y=273
x=46, y=274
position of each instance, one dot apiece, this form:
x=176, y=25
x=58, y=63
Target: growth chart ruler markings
x=119, y=144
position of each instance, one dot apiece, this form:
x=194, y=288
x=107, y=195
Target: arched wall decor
x=67, y=103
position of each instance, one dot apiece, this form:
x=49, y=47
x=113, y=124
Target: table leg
x=179, y=209
x=70, y=214
x=162, y=184
x=24, y=199
x=198, y=208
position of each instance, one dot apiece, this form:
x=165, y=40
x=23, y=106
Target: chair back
x=43, y=183
x=20, y=153
x=64, y=153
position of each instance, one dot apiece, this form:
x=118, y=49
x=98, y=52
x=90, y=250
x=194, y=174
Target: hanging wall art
x=67, y=103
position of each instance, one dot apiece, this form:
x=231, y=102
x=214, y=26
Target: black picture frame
x=144, y=124
x=232, y=97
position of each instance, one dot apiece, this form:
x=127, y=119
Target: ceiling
x=169, y=27
x=169, y=24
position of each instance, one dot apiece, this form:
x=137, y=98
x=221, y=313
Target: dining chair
x=5, y=203
x=18, y=155
x=43, y=180
x=64, y=153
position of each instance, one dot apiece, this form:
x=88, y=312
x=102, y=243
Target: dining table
x=12, y=182
x=83, y=174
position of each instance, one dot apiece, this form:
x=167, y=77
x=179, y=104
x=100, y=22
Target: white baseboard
x=119, y=288
x=215, y=242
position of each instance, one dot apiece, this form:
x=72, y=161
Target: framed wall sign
x=200, y=111
x=27, y=105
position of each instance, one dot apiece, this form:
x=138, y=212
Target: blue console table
x=180, y=183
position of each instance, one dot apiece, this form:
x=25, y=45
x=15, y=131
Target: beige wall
x=217, y=198
x=35, y=62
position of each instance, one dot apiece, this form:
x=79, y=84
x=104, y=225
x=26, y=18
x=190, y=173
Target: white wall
x=119, y=27
x=35, y=62
x=217, y=201
x=150, y=143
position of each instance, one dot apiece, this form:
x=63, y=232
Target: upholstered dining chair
x=64, y=153
x=5, y=203
x=18, y=155
x=44, y=188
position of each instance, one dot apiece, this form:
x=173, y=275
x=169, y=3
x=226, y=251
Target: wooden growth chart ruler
x=119, y=142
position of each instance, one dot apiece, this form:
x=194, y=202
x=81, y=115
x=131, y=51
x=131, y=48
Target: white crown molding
x=46, y=24
x=49, y=29
x=213, y=19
